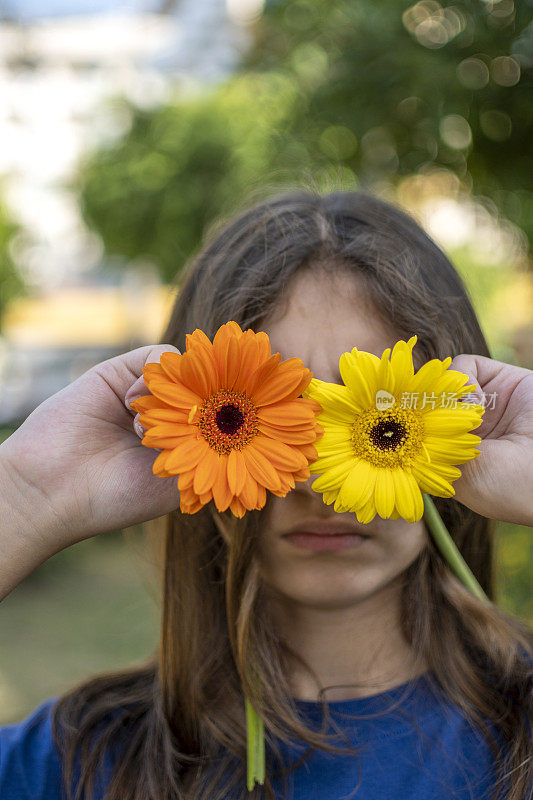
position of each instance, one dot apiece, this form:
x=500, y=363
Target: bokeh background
x=126, y=128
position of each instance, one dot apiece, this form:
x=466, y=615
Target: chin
x=325, y=588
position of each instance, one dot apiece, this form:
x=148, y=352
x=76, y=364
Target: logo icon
x=384, y=400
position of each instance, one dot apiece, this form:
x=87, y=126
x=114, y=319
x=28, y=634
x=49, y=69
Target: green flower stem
x=255, y=747
x=448, y=548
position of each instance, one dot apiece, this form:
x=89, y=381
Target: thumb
x=134, y=361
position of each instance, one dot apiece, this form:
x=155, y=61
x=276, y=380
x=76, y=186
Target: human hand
x=76, y=465
x=499, y=482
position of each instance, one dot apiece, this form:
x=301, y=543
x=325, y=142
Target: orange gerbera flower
x=229, y=420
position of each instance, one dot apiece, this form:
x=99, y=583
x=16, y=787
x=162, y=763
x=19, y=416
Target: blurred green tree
x=396, y=89
x=348, y=92
x=11, y=282
x=153, y=192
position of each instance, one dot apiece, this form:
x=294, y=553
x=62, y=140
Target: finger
x=495, y=383
x=467, y=364
x=138, y=389
x=134, y=361
x=483, y=370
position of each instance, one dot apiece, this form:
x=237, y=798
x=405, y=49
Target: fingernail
x=139, y=430
x=129, y=400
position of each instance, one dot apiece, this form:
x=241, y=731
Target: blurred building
x=61, y=75
x=53, y=339
x=64, y=68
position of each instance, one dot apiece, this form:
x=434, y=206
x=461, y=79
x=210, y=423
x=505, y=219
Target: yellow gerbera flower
x=391, y=434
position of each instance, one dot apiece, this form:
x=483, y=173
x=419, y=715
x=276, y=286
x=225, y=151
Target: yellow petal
x=333, y=477
x=367, y=513
x=385, y=376
x=338, y=402
x=428, y=374
x=322, y=465
x=448, y=423
x=359, y=375
x=402, y=363
x=384, y=493
x=358, y=485
x=408, y=498
x=452, y=451
x=431, y=482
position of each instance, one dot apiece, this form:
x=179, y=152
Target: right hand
x=76, y=467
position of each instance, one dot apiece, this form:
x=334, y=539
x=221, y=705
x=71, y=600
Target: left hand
x=498, y=483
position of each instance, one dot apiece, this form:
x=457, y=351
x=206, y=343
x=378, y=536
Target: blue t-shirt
x=422, y=747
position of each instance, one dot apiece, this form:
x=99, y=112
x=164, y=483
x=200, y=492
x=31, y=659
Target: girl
x=381, y=675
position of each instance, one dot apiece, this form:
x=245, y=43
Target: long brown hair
x=176, y=722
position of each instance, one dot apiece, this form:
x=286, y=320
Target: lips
x=326, y=528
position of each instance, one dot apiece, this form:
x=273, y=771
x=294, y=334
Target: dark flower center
x=388, y=434
x=229, y=419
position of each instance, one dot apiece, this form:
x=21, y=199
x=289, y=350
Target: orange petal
x=228, y=368
x=304, y=383
x=236, y=467
x=206, y=472
x=309, y=451
x=302, y=474
x=169, y=429
x=190, y=503
x=190, y=509
x=263, y=342
x=187, y=455
x=314, y=405
x=250, y=360
x=154, y=416
x=176, y=395
x=262, y=373
x=148, y=402
x=171, y=365
x=220, y=352
x=261, y=496
x=159, y=464
x=185, y=480
x=289, y=413
x=220, y=337
x=194, y=376
x=249, y=493
x=277, y=387
x=220, y=349
x=287, y=479
x=260, y=468
x=234, y=329
x=207, y=357
x=153, y=370
x=163, y=441
x=288, y=435
x=280, y=455
x=221, y=492
x=282, y=492
x=237, y=507
x=197, y=337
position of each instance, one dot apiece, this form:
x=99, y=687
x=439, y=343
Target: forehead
x=323, y=315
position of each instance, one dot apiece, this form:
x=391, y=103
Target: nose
x=302, y=489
